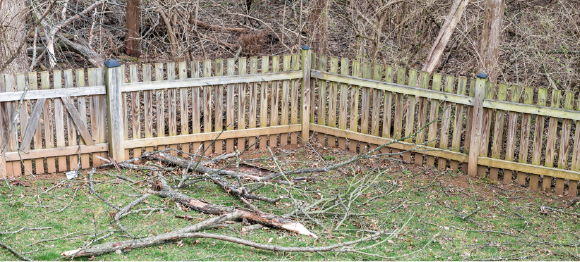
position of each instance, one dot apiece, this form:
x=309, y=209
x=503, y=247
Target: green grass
x=431, y=216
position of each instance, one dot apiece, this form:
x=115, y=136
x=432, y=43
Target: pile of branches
x=236, y=184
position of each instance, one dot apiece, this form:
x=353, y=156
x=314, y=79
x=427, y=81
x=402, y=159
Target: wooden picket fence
x=275, y=101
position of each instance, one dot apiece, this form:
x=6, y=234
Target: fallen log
x=166, y=191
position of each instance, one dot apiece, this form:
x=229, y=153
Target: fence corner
x=476, y=124
x=305, y=117
x=113, y=80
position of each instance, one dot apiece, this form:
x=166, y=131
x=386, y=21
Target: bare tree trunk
x=132, y=23
x=12, y=34
x=445, y=33
x=318, y=26
x=490, y=38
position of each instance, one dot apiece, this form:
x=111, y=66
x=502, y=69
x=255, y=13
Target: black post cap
x=482, y=75
x=306, y=47
x=112, y=63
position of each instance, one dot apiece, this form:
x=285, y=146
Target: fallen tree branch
x=208, y=208
x=149, y=241
x=172, y=236
x=241, y=192
x=16, y=253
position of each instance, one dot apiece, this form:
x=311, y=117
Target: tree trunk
x=13, y=15
x=490, y=38
x=132, y=24
x=318, y=27
x=445, y=33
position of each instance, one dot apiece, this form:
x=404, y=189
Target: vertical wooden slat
x=486, y=127
x=264, y=86
x=399, y=107
x=148, y=105
x=102, y=117
x=387, y=107
x=476, y=125
x=3, y=129
x=95, y=114
x=313, y=84
x=564, y=143
x=184, y=105
x=21, y=86
x=207, y=101
x=343, y=105
x=135, y=109
x=468, y=125
x=573, y=184
x=71, y=128
x=33, y=84
x=160, y=104
x=230, y=110
x=410, y=117
x=82, y=105
x=125, y=112
x=538, y=137
x=59, y=120
x=322, y=99
x=354, y=97
x=195, y=106
x=113, y=80
x=332, y=100
x=445, y=119
x=294, y=98
x=219, y=106
x=458, y=121
x=511, y=134
x=285, y=99
x=422, y=116
x=274, y=101
x=305, y=104
x=365, y=104
x=172, y=106
x=242, y=88
x=253, y=109
x=525, y=135
x=12, y=168
x=376, y=103
x=497, y=138
x=551, y=142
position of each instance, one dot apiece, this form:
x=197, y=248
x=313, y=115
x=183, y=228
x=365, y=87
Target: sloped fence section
x=54, y=122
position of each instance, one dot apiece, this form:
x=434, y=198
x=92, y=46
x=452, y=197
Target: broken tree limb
x=126, y=209
x=241, y=192
x=16, y=253
x=208, y=208
x=149, y=241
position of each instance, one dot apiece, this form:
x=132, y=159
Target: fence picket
x=551, y=142
x=525, y=135
x=511, y=133
x=294, y=98
x=184, y=105
x=219, y=106
x=332, y=100
x=274, y=101
x=71, y=128
x=410, y=116
x=538, y=137
x=196, y=106
x=421, y=116
x=285, y=99
x=322, y=98
x=486, y=127
x=564, y=143
x=264, y=87
x=135, y=109
x=458, y=121
x=498, y=128
x=230, y=110
x=575, y=165
x=376, y=104
x=160, y=104
x=148, y=105
x=445, y=119
x=343, y=104
x=242, y=88
x=207, y=107
x=59, y=120
x=253, y=102
x=172, y=106
x=387, y=106
x=39, y=162
x=469, y=125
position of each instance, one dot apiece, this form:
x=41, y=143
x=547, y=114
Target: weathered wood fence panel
x=514, y=134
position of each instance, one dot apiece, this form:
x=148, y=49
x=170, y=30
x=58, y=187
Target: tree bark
x=445, y=33
x=490, y=38
x=12, y=34
x=318, y=27
x=132, y=24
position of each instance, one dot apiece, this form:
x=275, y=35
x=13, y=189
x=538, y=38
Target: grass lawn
x=430, y=214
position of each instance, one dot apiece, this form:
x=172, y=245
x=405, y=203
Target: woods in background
x=521, y=42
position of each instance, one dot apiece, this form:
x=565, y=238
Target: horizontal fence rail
x=511, y=133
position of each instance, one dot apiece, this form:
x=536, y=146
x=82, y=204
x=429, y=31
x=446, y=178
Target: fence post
x=306, y=56
x=113, y=79
x=476, y=124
